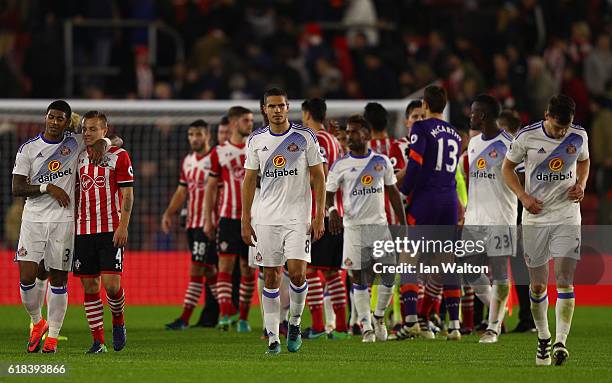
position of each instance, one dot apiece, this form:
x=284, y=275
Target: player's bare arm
x=178, y=200
x=576, y=192
x=127, y=202
x=335, y=221
x=210, y=196
x=533, y=205
x=21, y=188
x=248, y=193
x=396, y=202
x=317, y=175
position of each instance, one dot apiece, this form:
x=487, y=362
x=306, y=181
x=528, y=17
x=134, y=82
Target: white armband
x=43, y=188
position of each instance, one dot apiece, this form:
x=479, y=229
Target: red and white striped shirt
x=227, y=161
x=404, y=144
x=390, y=147
x=331, y=151
x=194, y=176
x=99, y=195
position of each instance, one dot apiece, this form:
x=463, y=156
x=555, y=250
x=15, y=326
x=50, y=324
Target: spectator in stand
x=598, y=66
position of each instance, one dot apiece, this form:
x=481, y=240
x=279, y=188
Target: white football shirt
x=46, y=162
x=283, y=162
x=550, y=170
x=490, y=200
x=362, y=180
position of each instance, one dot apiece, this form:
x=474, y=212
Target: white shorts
x=52, y=242
x=359, y=244
x=542, y=243
x=252, y=255
x=497, y=240
x=278, y=243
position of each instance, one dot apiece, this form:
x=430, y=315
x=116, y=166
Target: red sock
x=94, y=311
x=192, y=297
x=247, y=286
x=116, y=304
x=467, y=308
x=224, y=293
x=314, y=298
x=212, y=283
x=337, y=293
x=420, y=296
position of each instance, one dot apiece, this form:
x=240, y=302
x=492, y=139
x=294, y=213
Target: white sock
x=497, y=310
x=297, y=301
x=271, y=307
x=384, y=298
x=57, y=303
x=330, y=315
x=362, y=306
x=564, y=311
x=284, y=296
x=483, y=292
x=41, y=287
x=353, y=319
x=539, y=310
x=29, y=298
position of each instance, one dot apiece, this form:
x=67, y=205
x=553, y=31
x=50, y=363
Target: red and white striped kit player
x=331, y=151
x=195, y=170
x=227, y=161
x=390, y=147
x=99, y=194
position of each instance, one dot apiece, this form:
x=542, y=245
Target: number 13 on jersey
x=453, y=154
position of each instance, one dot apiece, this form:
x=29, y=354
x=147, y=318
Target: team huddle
x=303, y=207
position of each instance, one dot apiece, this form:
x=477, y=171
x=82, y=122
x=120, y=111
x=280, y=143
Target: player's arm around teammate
x=105, y=206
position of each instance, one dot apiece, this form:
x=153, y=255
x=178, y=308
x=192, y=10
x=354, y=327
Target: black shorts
x=95, y=254
x=327, y=251
x=229, y=238
x=203, y=250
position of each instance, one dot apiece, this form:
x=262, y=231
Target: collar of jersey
x=484, y=138
x=358, y=157
x=42, y=137
x=282, y=134
x=548, y=135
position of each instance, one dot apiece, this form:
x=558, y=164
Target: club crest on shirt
x=279, y=161
x=22, y=252
x=571, y=149
x=481, y=163
x=223, y=246
x=54, y=165
x=64, y=151
x=238, y=172
x=379, y=167
x=555, y=164
x=293, y=147
x=493, y=153
x=367, y=180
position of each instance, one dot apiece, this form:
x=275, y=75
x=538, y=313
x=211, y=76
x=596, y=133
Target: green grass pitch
x=206, y=355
